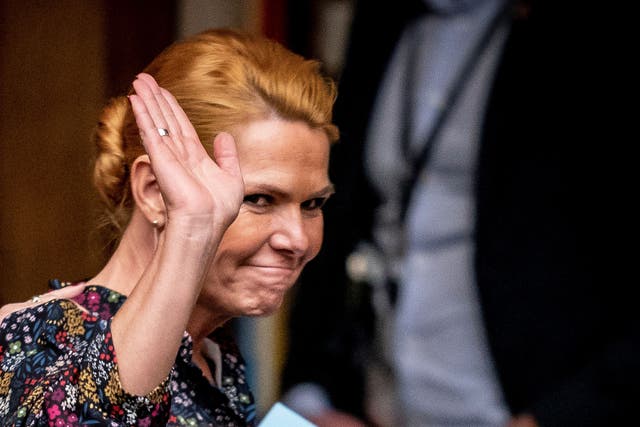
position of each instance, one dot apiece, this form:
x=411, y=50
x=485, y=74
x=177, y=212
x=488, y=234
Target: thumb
x=225, y=153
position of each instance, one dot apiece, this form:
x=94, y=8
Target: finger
x=151, y=140
x=186, y=127
x=194, y=150
x=165, y=109
x=225, y=153
x=144, y=89
x=161, y=113
x=68, y=292
x=11, y=308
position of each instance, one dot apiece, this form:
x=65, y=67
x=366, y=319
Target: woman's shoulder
x=59, y=323
x=62, y=348
x=39, y=343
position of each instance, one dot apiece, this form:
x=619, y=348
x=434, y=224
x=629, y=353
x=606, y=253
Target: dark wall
x=59, y=61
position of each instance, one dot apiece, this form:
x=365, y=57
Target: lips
x=273, y=275
x=275, y=265
x=274, y=270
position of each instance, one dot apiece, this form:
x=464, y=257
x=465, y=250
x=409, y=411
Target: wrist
x=195, y=230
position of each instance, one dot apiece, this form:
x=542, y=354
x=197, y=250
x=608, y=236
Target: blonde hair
x=220, y=78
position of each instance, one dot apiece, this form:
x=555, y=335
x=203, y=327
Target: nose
x=290, y=234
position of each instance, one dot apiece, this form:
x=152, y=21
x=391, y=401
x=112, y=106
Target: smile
x=271, y=275
x=270, y=269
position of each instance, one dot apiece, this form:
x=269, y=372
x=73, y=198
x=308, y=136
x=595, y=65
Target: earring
x=155, y=223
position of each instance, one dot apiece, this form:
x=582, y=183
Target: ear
x=145, y=191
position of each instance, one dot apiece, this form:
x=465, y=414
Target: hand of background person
x=523, y=420
x=194, y=187
x=67, y=292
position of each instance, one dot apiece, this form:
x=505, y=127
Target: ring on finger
x=163, y=132
x=35, y=299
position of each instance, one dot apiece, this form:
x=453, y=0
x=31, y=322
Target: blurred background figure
x=470, y=258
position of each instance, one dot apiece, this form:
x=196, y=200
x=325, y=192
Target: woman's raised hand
x=194, y=187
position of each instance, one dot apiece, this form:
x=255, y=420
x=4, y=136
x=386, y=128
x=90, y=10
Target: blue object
x=281, y=416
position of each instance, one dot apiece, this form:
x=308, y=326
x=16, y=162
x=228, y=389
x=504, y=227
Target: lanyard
x=417, y=164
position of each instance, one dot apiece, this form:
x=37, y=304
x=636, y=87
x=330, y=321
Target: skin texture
x=279, y=226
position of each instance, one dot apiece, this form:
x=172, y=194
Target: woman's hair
x=220, y=78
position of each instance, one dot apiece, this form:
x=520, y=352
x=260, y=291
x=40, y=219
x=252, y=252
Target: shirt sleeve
x=58, y=366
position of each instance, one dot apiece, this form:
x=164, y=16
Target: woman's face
x=279, y=228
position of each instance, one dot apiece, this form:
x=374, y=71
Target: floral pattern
x=58, y=367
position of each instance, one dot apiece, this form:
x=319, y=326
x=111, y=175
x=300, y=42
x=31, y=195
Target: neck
x=125, y=267
x=203, y=322
x=132, y=256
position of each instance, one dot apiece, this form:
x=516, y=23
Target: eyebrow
x=324, y=192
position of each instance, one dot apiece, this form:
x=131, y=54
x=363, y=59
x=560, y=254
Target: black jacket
x=553, y=211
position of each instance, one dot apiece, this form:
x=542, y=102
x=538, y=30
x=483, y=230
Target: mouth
x=274, y=269
x=274, y=274
x=273, y=264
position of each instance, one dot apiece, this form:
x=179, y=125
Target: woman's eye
x=260, y=200
x=314, y=204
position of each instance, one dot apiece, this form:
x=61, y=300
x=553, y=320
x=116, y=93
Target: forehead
x=278, y=146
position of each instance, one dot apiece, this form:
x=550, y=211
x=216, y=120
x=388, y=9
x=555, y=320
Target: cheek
x=243, y=236
x=315, y=232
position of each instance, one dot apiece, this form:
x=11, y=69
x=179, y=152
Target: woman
x=206, y=236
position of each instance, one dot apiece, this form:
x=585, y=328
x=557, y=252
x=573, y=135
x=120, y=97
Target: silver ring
x=35, y=299
x=163, y=132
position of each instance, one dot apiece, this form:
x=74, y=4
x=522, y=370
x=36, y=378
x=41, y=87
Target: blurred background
x=59, y=64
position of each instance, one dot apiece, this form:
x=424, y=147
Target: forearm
x=148, y=329
x=200, y=197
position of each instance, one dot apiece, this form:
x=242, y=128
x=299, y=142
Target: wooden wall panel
x=51, y=88
x=59, y=61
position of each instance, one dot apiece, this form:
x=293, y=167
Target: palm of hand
x=194, y=187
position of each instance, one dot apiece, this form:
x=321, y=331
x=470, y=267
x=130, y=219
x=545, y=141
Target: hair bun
x=110, y=169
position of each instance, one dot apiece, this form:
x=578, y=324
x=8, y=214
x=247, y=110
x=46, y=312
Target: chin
x=264, y=306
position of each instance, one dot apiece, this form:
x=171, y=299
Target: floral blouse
x=58, y=367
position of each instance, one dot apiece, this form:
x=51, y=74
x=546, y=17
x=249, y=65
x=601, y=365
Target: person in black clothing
x=550, y=185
